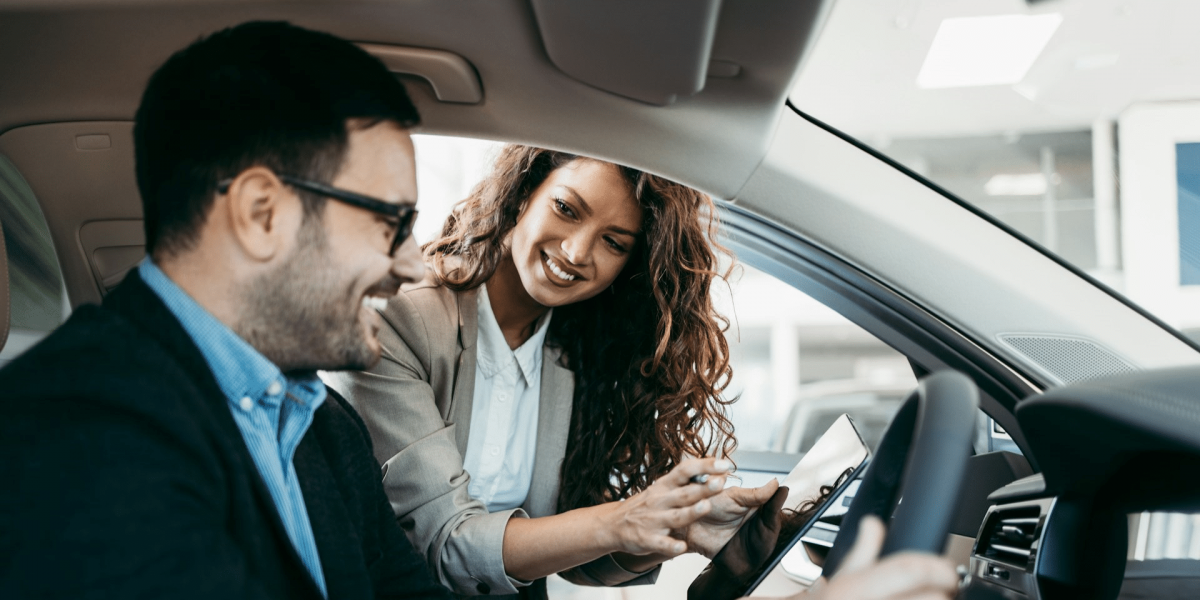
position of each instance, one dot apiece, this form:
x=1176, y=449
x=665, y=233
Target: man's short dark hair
x=260, y=94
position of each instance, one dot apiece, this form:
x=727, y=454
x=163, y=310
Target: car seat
x=4, y=301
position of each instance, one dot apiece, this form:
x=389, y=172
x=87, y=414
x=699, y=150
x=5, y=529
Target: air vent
x=1009, y=536
x=1067, y=358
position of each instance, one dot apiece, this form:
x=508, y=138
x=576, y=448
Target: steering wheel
x=921, y=459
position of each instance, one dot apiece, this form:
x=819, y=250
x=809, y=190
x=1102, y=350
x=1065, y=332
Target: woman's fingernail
x=722, y=464
x=679, y=548
x=714, y=484
x=701, y=506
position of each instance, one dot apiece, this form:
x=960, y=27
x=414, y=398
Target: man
x=175, y=442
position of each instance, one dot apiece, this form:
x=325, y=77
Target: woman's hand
x=712, y=531
x=904, y=576
x=643, y=523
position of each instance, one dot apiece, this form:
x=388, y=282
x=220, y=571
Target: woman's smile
x=558, y=273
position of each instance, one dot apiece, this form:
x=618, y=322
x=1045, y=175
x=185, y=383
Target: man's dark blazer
x=123, y=475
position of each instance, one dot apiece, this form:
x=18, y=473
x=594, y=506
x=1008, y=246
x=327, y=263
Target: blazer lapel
x=554, y=425
x=338, y=540
x=464, y=374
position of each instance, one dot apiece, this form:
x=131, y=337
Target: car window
x=37, y=295
x=798, y=365
x=448, y=168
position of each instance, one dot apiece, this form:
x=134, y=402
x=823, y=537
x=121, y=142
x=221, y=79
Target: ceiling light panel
x=1025, y=184
x=978, y=51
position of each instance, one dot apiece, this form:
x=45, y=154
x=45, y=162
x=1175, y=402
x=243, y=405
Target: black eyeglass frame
x=406, y=214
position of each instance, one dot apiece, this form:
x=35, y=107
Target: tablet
x=833, y=463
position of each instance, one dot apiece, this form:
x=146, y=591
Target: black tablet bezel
x=837, y=493
x=778, y=554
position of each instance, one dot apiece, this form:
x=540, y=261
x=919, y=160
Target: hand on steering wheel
x=903, y=576
x=921, y=460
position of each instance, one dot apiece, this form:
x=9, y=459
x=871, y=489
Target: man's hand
x=904, y=576
x=710, y=533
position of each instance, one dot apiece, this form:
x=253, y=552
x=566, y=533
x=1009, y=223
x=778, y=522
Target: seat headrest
x=4, y=301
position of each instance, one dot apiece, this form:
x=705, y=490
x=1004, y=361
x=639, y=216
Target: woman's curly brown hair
x=649, y=354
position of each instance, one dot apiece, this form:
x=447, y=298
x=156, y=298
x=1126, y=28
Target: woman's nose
x=577, y=248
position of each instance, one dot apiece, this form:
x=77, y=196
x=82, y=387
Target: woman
x=565, y=352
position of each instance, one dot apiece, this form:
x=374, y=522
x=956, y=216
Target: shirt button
x=274, y=388
x=247, y=403
x=502, y=397
x=495, y=451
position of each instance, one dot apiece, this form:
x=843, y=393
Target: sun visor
x=654, y=52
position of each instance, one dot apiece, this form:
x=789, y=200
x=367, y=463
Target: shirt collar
x=494, y=354
x=240, y=370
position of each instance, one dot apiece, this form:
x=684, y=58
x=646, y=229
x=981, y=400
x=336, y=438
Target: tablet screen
x=820, y=477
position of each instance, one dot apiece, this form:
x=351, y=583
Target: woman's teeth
x=554, y=268
x=375, y=302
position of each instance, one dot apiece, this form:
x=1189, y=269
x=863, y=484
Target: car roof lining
x=91, y=63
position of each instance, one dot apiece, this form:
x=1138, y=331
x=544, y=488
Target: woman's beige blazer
x=417, y=405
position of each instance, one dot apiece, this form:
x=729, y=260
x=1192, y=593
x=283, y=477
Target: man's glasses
x=404, y=214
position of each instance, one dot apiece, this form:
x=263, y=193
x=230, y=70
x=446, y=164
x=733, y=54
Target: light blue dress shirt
x=271, y=411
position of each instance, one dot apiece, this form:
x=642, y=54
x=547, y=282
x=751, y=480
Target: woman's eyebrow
x=574, y=194
x=588, y=209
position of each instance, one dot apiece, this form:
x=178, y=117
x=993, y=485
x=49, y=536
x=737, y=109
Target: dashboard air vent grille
x=1008, y=535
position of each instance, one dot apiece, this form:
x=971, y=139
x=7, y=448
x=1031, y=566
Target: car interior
x=1051, y=411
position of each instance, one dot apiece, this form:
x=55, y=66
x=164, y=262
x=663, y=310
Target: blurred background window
x=798, y=365
x=1075, y=122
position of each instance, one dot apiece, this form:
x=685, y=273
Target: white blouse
x=502, y=442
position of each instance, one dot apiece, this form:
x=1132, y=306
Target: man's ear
x=263, y=214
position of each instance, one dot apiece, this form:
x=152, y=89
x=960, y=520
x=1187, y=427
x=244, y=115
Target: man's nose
x=407, y=264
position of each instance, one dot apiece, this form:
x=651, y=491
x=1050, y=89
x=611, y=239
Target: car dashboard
x=1109, y=449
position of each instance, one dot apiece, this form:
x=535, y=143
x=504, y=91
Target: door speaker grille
x=1069, y=359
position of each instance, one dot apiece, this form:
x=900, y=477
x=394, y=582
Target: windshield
x=1075, y=122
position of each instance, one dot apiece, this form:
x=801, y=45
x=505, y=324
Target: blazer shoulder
x=94, y=345
x=427, y=312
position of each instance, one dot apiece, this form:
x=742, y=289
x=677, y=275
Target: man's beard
x=304, y=317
